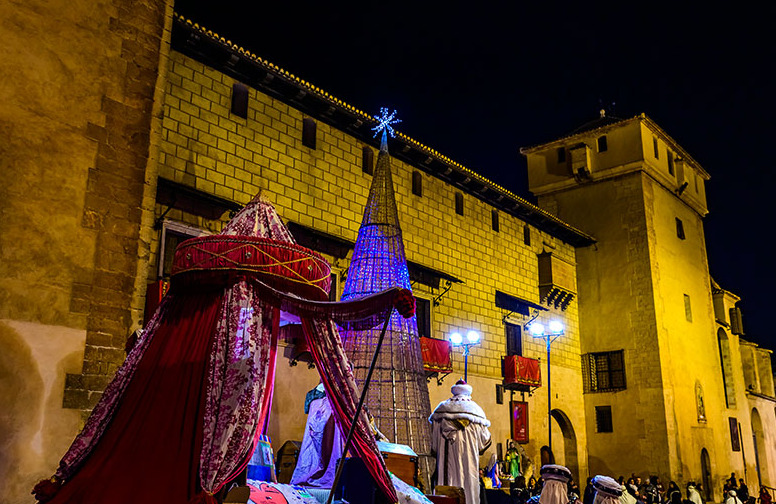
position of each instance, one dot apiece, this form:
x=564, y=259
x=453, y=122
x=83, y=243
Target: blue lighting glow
x=536, y=329
x=473, y=337
x=456, y=338
x=386, y=121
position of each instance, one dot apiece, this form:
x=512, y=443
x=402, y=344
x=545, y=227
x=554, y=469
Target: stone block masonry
x=206, y=147
x=115, y=189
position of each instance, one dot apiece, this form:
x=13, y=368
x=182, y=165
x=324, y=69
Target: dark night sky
x=477, y=82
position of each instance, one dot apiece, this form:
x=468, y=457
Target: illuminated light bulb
x=556, y=327
x=536, y=329
x=473, y=336
x=456, y=338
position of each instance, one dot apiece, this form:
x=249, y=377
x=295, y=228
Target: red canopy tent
x=183, y=413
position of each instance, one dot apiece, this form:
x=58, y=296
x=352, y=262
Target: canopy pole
x=341, y=462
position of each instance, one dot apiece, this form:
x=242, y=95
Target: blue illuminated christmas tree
x=398, y=395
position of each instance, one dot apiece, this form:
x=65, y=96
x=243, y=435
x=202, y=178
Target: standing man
x=555, y=490
x=459, y=435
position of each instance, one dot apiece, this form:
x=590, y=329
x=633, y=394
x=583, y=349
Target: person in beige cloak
x=459, y=435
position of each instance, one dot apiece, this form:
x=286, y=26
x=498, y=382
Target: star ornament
x=385, y=122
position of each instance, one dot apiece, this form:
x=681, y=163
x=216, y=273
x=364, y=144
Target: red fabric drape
x=150, y=451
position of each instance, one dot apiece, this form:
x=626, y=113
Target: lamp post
x=472, y=338
x=537, y=330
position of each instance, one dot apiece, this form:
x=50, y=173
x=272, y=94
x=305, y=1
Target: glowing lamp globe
x=536, y=329
x=473, y=337
x=556, y=327
x=456, y=338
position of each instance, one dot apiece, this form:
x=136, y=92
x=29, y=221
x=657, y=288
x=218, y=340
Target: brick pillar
x=114, y=198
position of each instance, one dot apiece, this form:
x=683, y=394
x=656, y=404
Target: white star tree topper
x=386, y=120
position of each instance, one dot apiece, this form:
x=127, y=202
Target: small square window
x=603, y=419
x=687, y=308
x=417, y=183
x=561, y=154
x=680, y=229
x=240, y=100
x=514, y=337
x=423, y=316
x=459, y=203
x=308, y=132
x=368, y=161
x=602, y=145
x=494, y=220
x=334, y=292
x=655, y=148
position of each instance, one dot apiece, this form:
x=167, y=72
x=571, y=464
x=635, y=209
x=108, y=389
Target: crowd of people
x=631, y=491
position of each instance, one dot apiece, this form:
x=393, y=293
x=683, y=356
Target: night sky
x=477, y=82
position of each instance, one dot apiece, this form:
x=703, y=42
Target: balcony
x=521, y=373
x=437, y=358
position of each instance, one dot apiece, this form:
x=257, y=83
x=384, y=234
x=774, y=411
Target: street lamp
x=537, y=330
x=472, y=338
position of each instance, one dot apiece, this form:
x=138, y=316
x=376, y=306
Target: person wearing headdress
x=607, y=490
x=322, y=444
x=555, y=489
x=692, y=493
x=626, y=497
x=732, y=498
x=459, y=435
x=492, y=471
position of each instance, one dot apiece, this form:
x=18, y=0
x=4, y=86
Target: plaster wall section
x=617, y=313
x=206, y=147
x=77, y=95
x=689, y=350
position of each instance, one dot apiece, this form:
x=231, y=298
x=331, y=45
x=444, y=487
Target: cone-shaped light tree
x=398, y=395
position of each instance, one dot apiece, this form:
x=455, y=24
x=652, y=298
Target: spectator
x=765, y=497
x=743, y=491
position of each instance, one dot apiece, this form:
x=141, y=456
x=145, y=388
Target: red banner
x=436, y=355
x=519, y=410
x=519, y=370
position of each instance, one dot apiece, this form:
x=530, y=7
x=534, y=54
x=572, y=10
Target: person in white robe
x=322, y=444
x=626, y=497
x=555, y=490
x=692, y=493
x=459, y=435
x=732, y=498
x=607, y=490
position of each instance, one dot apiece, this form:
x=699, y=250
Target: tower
x=398, y=395
x=649, y=355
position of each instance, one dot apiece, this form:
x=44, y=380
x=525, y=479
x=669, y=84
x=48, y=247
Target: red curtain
x=150, y=450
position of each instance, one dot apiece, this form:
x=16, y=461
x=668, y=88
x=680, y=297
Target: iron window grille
x=604, y=371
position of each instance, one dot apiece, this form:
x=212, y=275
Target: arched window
x=727, y=368
x=700, y=404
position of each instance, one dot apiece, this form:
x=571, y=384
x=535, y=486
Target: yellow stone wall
x=632, y=285
x=205, y=147
x=78, y=87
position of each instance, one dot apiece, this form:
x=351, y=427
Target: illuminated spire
x=385, y=125
x=398, y=394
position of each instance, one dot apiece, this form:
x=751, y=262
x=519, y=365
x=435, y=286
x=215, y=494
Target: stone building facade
x=78, y=92
x=145, y=129
x=661, y=392
x=489, y=243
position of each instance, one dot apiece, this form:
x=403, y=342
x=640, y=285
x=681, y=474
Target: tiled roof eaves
x=643, y=117
x=243, y=65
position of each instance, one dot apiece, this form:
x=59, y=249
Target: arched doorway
x=708, y=491
x=758, y=440
x=565, y=446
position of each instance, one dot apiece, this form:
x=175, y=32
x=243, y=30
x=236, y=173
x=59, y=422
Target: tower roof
x=608, y=122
